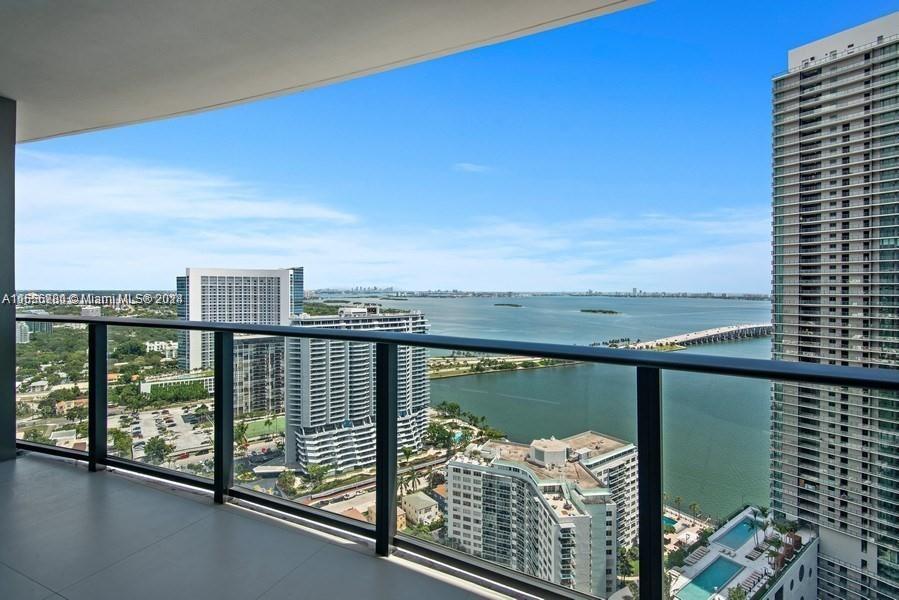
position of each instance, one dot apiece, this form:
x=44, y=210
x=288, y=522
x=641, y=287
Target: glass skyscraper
x=835, y=451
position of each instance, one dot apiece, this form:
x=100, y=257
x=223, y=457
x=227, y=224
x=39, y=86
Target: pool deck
x=760, y=564
x=687, y=528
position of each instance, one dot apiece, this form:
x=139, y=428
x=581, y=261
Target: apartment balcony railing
x=648, y=366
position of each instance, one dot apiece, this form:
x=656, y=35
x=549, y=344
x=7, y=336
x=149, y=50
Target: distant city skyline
x=540, y=164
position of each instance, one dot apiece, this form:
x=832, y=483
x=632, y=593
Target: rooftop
x=419, y=501
x=596, y=443
x=572, y=471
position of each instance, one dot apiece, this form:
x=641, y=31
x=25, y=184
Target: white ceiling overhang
x=80, y=65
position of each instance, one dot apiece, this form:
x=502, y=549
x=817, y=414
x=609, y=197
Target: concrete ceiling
x=80, y=65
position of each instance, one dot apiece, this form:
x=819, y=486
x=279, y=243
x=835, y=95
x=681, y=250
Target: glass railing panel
x=160, y=410
x=304, y=422
x=716, y=477
x=52, y=382
x=527, y=464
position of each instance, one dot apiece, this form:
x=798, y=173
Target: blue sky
x=631, y=150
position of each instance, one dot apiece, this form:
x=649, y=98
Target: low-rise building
x=371, y=516
x=91, y=311
x=38, y=386
x=208, y=381
x=169, y=350
x=420, y=509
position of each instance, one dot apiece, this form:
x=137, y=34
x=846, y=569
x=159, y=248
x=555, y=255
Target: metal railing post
x=386, y=363
x=649, y=457
x=7, y=278
x=223, y=436
x=96, y=395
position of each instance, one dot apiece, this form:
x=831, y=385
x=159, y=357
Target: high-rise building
x=538, y=509
x=296, y=291
x=330, y=394
x=247, y=296
x=258, y=374
x=38, y=326
x=23, y=334
x=835, y=451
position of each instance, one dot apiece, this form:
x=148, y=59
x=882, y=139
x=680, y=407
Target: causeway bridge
x=709, y=336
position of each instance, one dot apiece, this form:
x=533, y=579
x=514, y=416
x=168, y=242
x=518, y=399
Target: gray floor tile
x=339, y=573
x=16, y=586
x=92, y=536
x=111, y=519
x=227, y=556
x=19, y=468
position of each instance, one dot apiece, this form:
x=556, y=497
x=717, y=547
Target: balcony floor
x=67, y=533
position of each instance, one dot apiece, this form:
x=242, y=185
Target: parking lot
x=177, y=425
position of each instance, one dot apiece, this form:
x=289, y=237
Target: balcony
x=93, y=522
x=192, y=504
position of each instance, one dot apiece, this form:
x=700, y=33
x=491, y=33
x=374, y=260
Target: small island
x=507, y=304
x=601, y=311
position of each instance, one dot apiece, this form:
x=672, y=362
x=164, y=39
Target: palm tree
x=240, y=436
x=694, y=509
x=408, y=482
x=754, y=528
x=407, y=454
x=677, y=502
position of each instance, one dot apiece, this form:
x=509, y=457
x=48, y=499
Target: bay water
x=715, y=429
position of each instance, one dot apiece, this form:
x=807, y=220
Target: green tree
x=634, y=589
x=677, y=502
x=158, y=451
x=753, y=527
x=407, y=454
x=625, y=566
x=46, y=408
x=287, y=481
x=76, y=413
x=128, y=349
x=240, y=436
x=736, y=593
x=694, y=509
x=121, y=442
x=37, y=435
x=202, y=413
x=315, y=474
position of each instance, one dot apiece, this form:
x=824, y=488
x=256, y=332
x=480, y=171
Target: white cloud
x=87, y=222
x=99, y=185
x=467, y=167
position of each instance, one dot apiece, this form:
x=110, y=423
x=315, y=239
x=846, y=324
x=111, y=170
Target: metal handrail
x=698, y=363
x=649, y=366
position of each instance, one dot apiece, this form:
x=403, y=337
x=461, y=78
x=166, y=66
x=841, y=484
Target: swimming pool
x=668, y=521
x=713, y=578
x=737, y=535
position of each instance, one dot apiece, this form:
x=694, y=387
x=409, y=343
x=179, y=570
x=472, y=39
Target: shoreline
x=436, y=374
